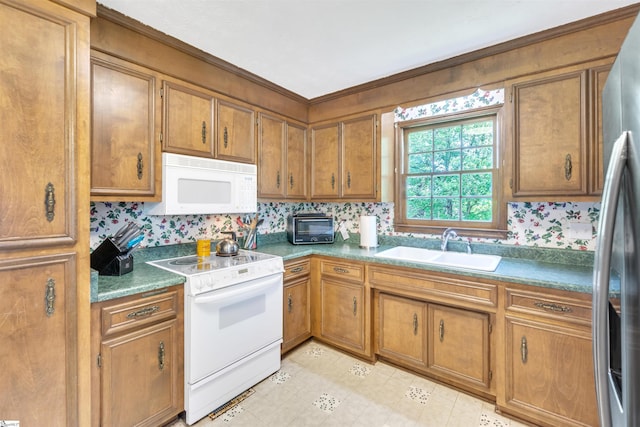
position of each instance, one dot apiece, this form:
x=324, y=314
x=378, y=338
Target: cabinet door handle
x=161, y=356
x=524, y=352
x=553, y=307
x=50, y=297
x=225, y=137
x=291, y=180
x=277, y=179
x=333, y=181
x=567, y=167
x=50, y=201
x=289, y=304
x=139, y=166
x=355, y=306
x=415, y=323
x=348, y=179
x=297, y=269
x=441, y=330
x=340, y=270
x=143, y=312
x=204, y=132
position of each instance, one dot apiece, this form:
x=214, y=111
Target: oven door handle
x=238, y=290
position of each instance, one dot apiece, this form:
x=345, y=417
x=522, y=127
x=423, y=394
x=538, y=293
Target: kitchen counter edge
x=145, y=277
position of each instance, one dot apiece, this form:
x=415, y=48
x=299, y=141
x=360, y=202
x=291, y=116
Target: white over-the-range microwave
x=197, y=185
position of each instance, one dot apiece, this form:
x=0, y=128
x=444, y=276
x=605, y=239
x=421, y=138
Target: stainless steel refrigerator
x=616, y=284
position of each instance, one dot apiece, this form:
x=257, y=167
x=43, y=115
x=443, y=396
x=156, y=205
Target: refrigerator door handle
x=601, y=275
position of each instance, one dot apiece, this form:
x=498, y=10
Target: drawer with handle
x=546, y=305
x=141, y=311
x=296, y=268
x=349, y=271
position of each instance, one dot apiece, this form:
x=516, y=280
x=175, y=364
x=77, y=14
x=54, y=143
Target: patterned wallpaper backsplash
x=544, y=224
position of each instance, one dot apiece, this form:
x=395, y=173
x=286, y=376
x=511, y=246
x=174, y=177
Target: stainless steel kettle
x=228, y=246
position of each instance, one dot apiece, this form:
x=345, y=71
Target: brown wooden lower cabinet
x=459, y=345
x=449, y=343
x=548, y=366
x=525, y=347
x=549, y=373
x=402, y=329
x=341, y=305
x=296, y=306
x=138, y=345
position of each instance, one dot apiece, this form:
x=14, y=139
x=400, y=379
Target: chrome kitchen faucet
x=448, y=233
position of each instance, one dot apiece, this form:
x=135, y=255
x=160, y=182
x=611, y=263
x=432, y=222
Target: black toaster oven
x=310, y=228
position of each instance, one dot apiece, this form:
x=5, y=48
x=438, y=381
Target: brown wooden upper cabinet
x=235, y=130
x=344, y=160
x=282, y=159
x=125, y=124
x=557, y=133
x=188, y=120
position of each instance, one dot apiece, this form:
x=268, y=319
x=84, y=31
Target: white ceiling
x=316, y=47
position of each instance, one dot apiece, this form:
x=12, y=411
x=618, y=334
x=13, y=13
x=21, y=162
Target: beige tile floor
x=320, y=386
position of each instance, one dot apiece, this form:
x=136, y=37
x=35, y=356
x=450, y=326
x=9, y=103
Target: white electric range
x=233, y=325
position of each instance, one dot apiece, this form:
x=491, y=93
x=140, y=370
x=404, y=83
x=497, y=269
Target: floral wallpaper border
x=478, y=99
x=544, y=224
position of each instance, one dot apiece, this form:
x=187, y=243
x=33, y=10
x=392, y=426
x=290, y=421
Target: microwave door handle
x=601, y=275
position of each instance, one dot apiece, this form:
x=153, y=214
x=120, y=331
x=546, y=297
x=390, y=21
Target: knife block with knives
x=114, y=256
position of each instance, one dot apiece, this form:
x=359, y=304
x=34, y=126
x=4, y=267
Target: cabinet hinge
x=490, y=327
x=511, y=95
x=160, y=137
x=511, y=183
x=99, y=360
x=161, y=92
x=490, y=375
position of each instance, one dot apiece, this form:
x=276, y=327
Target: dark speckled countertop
x=547, y=268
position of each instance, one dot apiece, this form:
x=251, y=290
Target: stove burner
x=183, y=261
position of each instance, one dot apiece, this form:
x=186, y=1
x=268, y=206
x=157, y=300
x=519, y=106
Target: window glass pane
x=419, y=186
x=449, y=171
x=445, y=138
x=477, y=158
x=420, y=163
x=446, y=185
x=420, y=141
x=479, y=133
x=419, y=208
x=477, y=209
x=476, y=184
x=446, y=161
x=446, y=209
